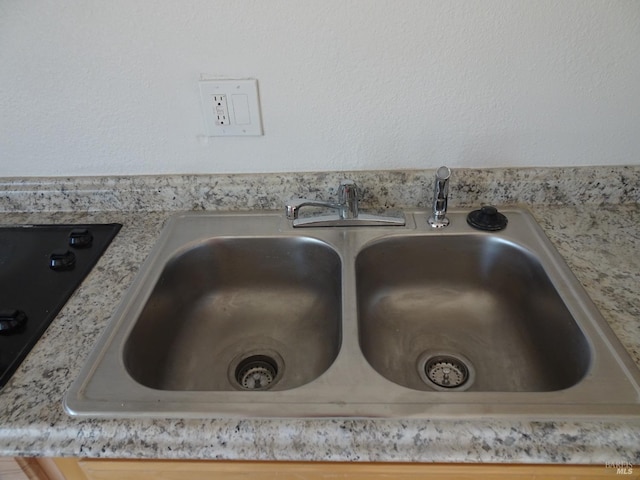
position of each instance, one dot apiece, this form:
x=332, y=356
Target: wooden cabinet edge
x=69, y=468
x=109, y=469
x=28, y=468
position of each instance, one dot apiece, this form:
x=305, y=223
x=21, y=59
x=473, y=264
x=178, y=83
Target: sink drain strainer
x=256, y=372
x=445, y=371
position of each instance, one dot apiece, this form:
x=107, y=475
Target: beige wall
x=110, y=87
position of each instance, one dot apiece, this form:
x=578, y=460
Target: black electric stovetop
x=40, y=267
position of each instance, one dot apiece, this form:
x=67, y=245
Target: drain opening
x=257, y=372
x=445, y=372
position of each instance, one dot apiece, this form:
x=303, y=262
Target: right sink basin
x=465, y=312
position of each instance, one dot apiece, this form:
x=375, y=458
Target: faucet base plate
x=362, y=220
x=438, y=223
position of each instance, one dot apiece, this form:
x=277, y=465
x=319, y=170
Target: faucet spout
x=292, y=208
x=347, y=204
x=439, y=219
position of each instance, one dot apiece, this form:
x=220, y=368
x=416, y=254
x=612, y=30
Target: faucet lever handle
x=438, y=218
x=348, y=199
x=347, y=190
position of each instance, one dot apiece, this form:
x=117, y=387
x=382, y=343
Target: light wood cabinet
x=19, y=468
x=10, y=469
x=96, y=469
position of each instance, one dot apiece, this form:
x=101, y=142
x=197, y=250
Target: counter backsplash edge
x=381, y=189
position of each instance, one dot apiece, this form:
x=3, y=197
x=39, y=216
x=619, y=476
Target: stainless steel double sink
x=241, y=314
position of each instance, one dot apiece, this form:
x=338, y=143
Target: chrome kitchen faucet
x=348, y=213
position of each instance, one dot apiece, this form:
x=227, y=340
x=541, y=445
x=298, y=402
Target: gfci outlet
x=221, y=110
x=231, y=107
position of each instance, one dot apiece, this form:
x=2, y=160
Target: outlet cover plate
x=242, y=103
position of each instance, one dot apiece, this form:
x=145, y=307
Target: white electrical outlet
x=220, y=110
x=231, y=107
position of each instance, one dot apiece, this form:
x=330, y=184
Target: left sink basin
x=230, y=313
x=233, y=313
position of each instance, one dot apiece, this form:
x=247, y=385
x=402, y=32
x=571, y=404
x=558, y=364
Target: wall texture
x=91, y=87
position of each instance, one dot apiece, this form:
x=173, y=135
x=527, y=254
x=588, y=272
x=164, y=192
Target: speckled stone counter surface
x=591, y=215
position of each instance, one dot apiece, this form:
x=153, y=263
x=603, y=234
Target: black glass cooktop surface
x=40, y=268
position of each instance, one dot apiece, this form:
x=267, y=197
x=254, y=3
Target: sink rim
x=86, y=398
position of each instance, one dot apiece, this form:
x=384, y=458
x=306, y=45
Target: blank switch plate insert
x=231, y=107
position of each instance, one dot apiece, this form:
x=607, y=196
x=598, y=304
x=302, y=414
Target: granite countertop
x=599, y=242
